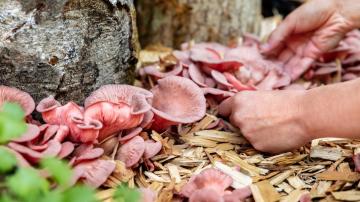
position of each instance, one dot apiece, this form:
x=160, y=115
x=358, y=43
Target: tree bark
x=66, y=48
x=172, y=22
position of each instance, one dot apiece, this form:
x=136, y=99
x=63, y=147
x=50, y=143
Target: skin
x=278, y=121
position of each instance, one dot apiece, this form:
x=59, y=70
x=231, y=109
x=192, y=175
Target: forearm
x=333, y=110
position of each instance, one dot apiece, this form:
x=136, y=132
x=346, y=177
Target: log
x=172, y=22
x=66, y=48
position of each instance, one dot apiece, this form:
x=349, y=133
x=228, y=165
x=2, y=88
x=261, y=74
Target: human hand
x=311, y=30
x=272, y=121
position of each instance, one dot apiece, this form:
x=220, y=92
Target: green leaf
x=54, y=196
x=58, y=169
x=27, y=184
x=5, y=197
x=8, y=160
x=13, y=111
x=79, y=194
x=125, y=194
x=12, y=124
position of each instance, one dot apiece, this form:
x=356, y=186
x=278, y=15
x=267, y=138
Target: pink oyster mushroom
x=153, y=70
x=71, y=116
x=14, y=95
x=117, y=107
x=132, y=151
x=208, y=180
x=177, y=100
x=93, y=173
x=214, y=56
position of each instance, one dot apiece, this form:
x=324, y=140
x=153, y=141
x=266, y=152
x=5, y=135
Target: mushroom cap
x=178, y=100
x=90, y=154
x=213, y=178
x=66, y=149
x=205, y=195
x=151, y=148
x=14, y=95
x=196, y=75
x=147, y=195
x=94, y=173
x=238, y=195
x=122, y=94
x=220, y=78
x=47, y=104
x=208, y=179
x=31, y=133
x=154, y=71
x=131, y=133
x=131, y=152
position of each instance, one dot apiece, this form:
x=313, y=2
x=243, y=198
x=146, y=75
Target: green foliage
x=125, y=194
x=8, y=160
x=12, y=122
x=60, y=171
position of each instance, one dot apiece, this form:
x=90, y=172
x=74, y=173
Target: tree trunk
x=66, y=48
x=172, y=22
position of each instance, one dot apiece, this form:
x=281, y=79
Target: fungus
x=66, y=149
x=147, y=195
x=114, y=117
x=117, y=107
x=93, y=173
x=236, y=83
x=53, y=149
x=151, y=148
x=238, y=195
x=177, y=100
x=14, y=95
x=153, y=70
x=214, y=56
x=130, y=134
x=205, y=195
x=31, y=133
x=109, y=144
x=131, y=152
x=196, y=75
x=220, y=78
x=210, y=179
x=70, y=115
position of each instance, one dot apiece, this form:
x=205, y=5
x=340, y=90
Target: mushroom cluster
x=220, y=71
x=109, y=123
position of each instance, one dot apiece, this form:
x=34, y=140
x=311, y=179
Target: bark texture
x=172, y=22
x=66, y=48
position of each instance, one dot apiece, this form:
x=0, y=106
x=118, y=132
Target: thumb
x=225, y=108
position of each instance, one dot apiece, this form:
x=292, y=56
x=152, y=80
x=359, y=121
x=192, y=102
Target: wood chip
x=294, y=196
x=327, y=153
x=264, y=192
x=174, y=172
x=281, y=177
x=347, y=195
x=334, y=175
x=240, y=180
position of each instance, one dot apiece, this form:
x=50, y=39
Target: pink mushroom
x=131, y=152
x=31, y=133
x=208, y=179
x=154, y=71
x=93, y=173
x=14, y=95
x=70, y=115
x=215, y=57
x=151, y=148
x=356, y=159
x=147, y=195
x=205, y=195
x=236, y=83
x=238, y=195
x=177, y=100
x=117, y=107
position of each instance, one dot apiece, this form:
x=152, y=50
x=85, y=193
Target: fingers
x=279, y=35
x=225, y=108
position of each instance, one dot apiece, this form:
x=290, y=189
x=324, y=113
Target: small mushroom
x=31, y=133
x=236, y=83
x=215, y=57
x=93, y=173
x=177, y=100
x=238, y=195
x=131, y=152
x=196, y=75
x=151, y=148
x=154, y=71
x=129, y=134
x=14, y=95
x=208, y=179
x=205, y=195
x=220, y=78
